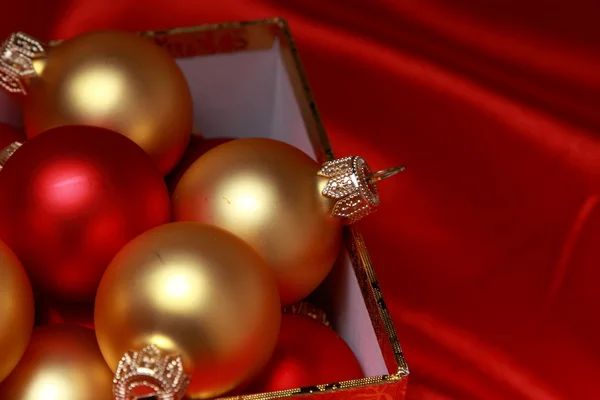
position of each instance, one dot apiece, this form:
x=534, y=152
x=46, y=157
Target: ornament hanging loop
x=351, y=183
x=385, y=174
x=153, y=370
x=16, y=61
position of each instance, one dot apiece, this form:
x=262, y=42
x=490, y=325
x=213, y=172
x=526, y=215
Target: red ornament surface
x=196, y=148
x=72, y=197
x=10, y=134
x=307, y=353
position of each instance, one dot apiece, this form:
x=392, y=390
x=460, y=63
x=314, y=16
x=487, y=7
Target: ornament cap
x=16, y=61
x=308, y=310
x=353, y=185
x=150, y=368
x=7, y=152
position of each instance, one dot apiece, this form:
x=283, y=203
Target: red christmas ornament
x=307, y=353
x=10, y=134
x=197, y=147
x=71, y=198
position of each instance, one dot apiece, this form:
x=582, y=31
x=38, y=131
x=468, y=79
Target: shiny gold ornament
x=196, y=292
x=280, y=201
x=62, y=362
x=109, y=79
x=16, y=311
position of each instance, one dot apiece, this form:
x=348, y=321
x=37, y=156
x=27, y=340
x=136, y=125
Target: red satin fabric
x=487, y=248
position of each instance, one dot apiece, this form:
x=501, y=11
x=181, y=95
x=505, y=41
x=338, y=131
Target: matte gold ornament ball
x=109, y=79
x=62, y=362
x=269, y=194
x=16, y=311
x=195, y=291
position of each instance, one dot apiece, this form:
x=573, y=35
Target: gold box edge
x=320, y=136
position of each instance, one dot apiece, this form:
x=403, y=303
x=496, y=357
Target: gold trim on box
x=330, y=387
x=262, y=34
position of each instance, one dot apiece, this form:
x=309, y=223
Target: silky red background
x=487, y=248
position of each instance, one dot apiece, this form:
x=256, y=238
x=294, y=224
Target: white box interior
x=249, y=94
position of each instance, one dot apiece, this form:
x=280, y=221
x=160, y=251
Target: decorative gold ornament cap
x=306, y=309
x=150, y=369
x=7, y=152
x=352, y=184
x=16, y=61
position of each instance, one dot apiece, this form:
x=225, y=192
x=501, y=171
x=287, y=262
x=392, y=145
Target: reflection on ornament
x=201, y=294
x=282, y=202
x=109, y=79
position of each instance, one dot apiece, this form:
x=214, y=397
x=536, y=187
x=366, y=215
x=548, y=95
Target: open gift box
x=246, y=81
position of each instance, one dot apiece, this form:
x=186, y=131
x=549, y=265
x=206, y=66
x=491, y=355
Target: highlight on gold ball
x=286, y=205
x=110, y=79
x=60, y=362
x=203, y=308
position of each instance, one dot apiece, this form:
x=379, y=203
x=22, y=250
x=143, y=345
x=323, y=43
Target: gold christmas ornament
x=62, y=362
x=109, y=79
x=186, y=301
x=281, y=202
x=16, y=311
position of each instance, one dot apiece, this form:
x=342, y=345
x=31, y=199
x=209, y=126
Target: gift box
x=246, y=80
